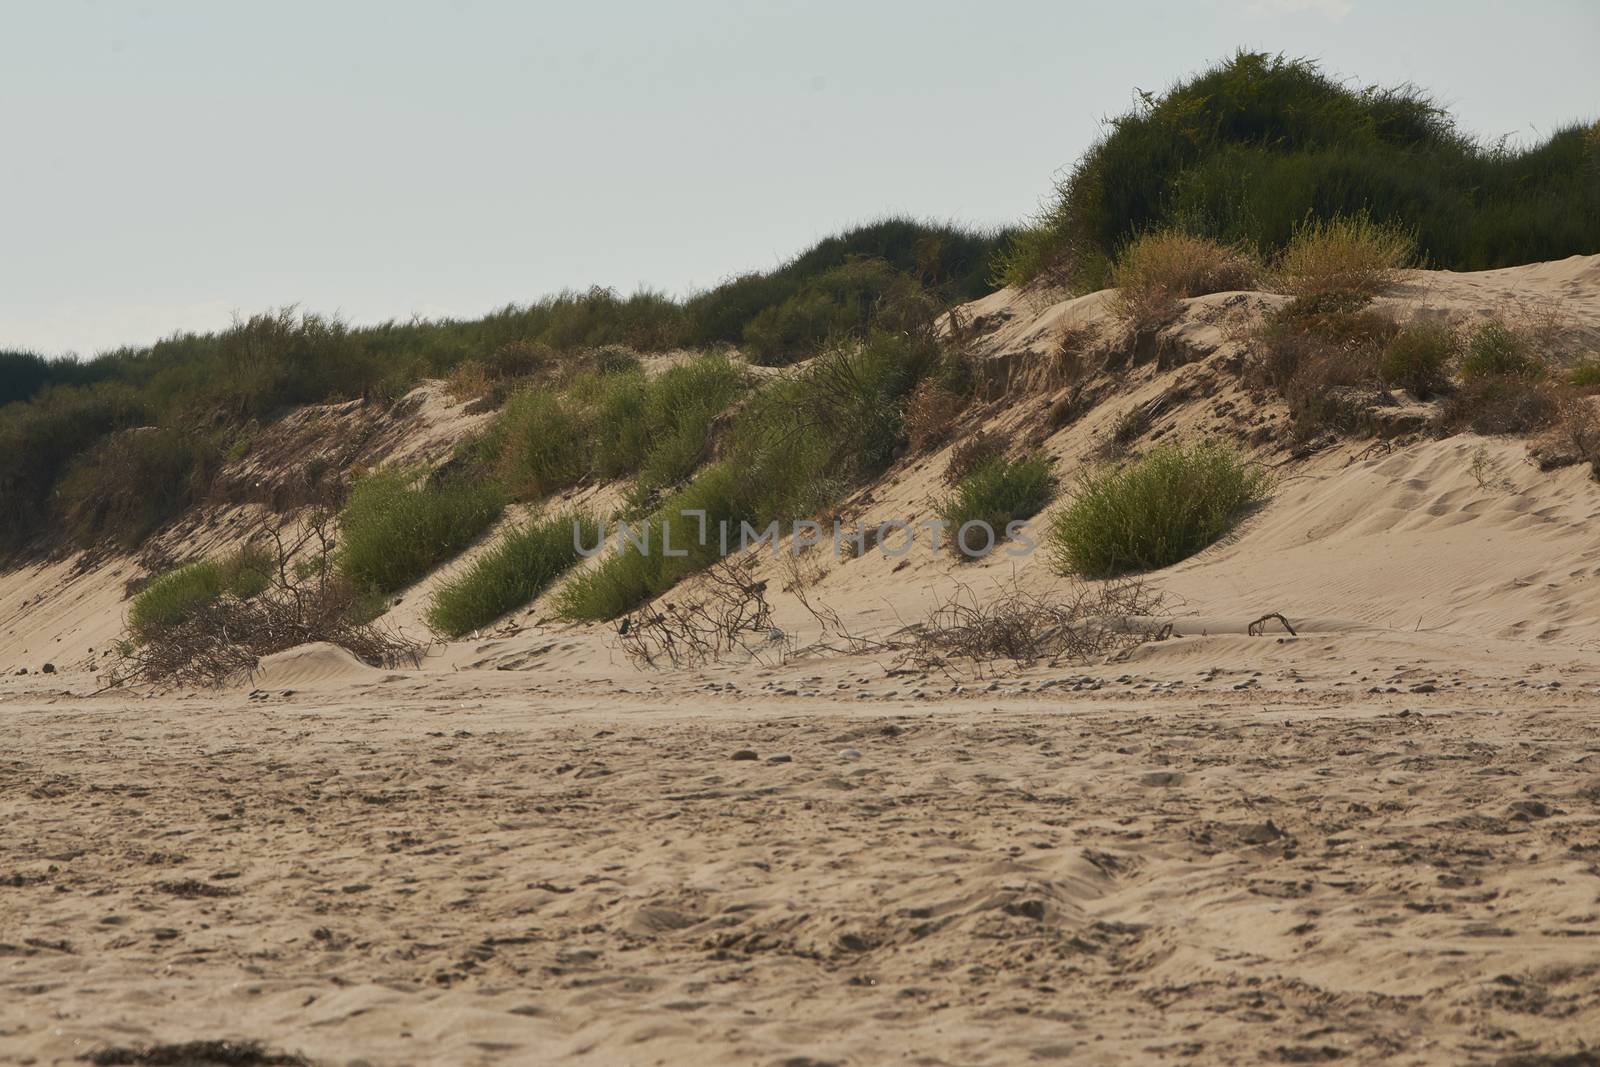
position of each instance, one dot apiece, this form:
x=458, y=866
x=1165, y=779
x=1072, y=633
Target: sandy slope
x=1378, y=841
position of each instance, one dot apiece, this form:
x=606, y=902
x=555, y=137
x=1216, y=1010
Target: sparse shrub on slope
x=993, y=495
x=521, y=566
x=1316, y=349
x=132, y=483
x=931, y=414
x=1585, y=374
x=628, y=578
x=1156, y=270
x=394, y=531
x=972, y=453
x=793, y=448
x=1419, y=358
x=1498, y=350
x=1505, y=385
x=1155, y=511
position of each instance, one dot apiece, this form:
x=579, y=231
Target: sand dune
x=1373, y=841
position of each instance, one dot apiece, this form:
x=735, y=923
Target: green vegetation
x=995, y=493
x=1313, y=350
x=1154, y=511
x=1420, y=356
x=520, y=567
x=394, y=531
x=201, y=390
x=175, y=596
x=830, y=292
x=612, y=422
x=1250, y=149
x=132, y=482
x=1505, y=385
x=1496, y=350
x=1585, y=374
x=793, y=448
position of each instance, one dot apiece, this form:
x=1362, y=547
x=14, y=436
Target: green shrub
x=1585, y=374
x=1154, y=511
x=1156, y=270
x=626, y=579
x=545, y=443
x=1420, y=356
x=1248, y=149
x=1343, y=254
x=394, y=531
x=994, y=494
x=681, y=406
x=1496, y=350
x=826, y=292
x=175, y=596
x=521, y=566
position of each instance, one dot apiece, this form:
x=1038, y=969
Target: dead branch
x=1257, y=628
x=726, y=612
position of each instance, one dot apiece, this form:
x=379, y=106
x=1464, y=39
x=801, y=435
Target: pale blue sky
x=168, y=163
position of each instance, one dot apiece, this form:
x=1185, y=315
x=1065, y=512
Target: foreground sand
x=1375, y=842
x=469, y=869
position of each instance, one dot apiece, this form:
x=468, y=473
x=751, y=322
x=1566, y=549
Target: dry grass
x=971, y=454
x=931, y=413
x=1346, y=254
x=1159, y=269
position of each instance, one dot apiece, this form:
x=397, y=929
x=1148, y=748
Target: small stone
x=849, y=755
x=782, y=757
x=746, y=754
x=48, y=668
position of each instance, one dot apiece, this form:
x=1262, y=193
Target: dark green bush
x=38, y=441
x=995, y=493
x=826, y=291
x=1249, y=149
x=1154, y=511
x=521, y=566
x=394, y=531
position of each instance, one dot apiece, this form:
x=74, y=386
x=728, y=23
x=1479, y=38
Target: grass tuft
x=995, y=494
x=395, y=531
x=522, y=565
x=1154, y=511
x=1497, y=350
